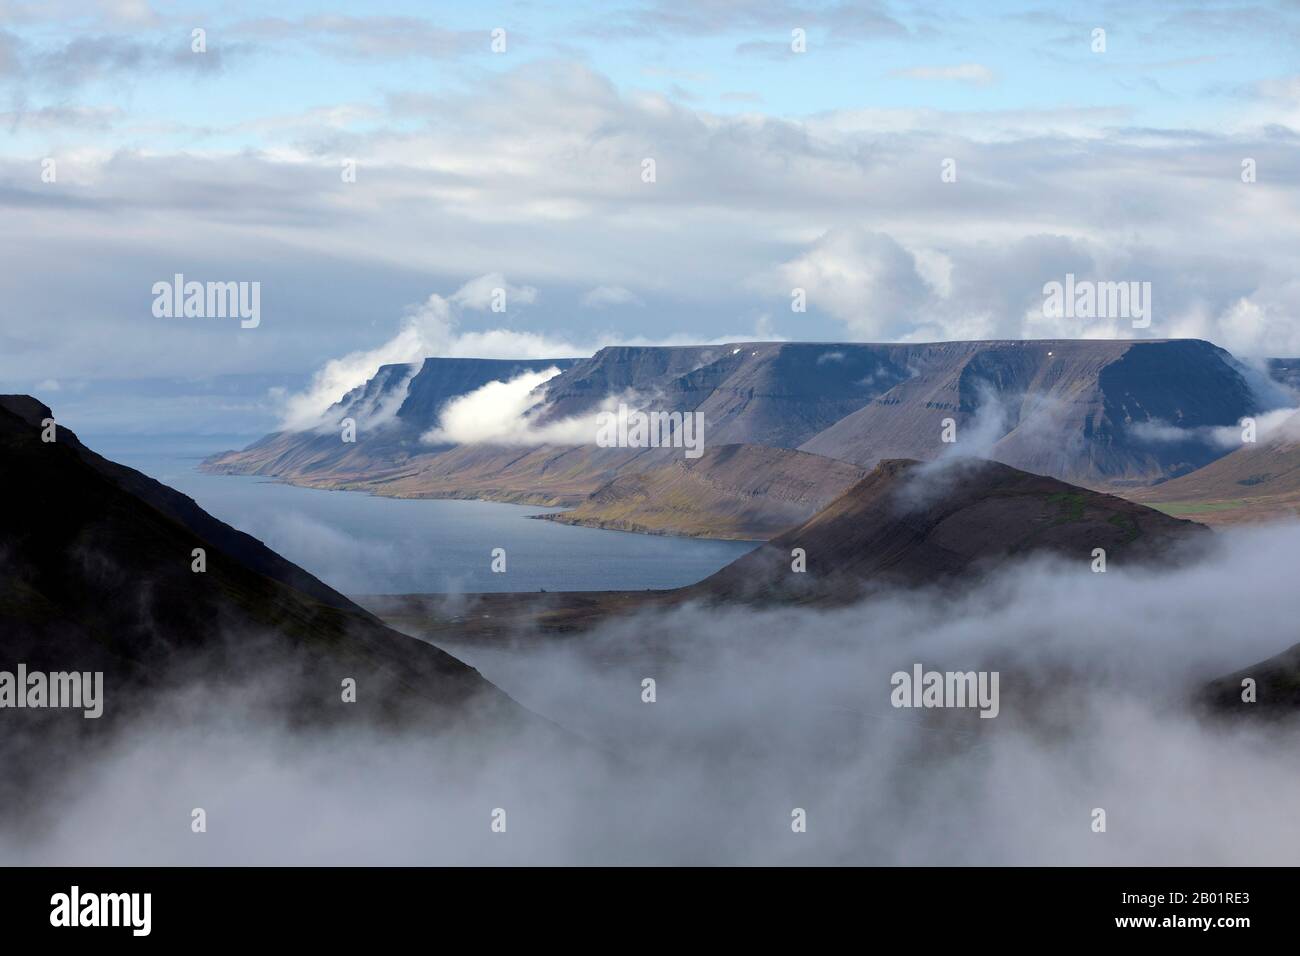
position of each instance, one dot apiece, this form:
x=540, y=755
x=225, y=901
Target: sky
x=919, y=170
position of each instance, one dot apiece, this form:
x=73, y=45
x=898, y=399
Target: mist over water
x=759, y=713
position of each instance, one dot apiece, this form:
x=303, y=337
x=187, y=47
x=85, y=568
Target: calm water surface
x=362, y=544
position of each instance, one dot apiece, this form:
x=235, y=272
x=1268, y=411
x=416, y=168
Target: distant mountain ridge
x=1102, y=414
x=392, y=410
x=766, y=393
x=1067, y=408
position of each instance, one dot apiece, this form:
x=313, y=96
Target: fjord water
x=364, y=544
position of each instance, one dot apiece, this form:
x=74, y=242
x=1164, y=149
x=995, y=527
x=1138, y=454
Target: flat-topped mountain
x=392, y=410
x=1103, y=414
x=1095, y=413
x=766, y=393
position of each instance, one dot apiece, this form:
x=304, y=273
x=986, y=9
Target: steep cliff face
x=439, y=380
x=777, y=394
x=392, y=410
x=380, y=398
x=644, y=370
x=1096, y=413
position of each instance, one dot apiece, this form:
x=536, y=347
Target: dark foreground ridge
x=1274, y=691
x=96, y=574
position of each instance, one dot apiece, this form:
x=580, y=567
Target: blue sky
x=1162, y=62
x=775, y=170
x=1166, y=64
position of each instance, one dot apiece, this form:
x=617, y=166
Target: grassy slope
x=739, y=492
x=1254, y=483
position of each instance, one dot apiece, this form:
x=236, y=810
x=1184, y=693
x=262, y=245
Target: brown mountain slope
x=391, y=411
x=1257, y=482
x=559, y=475
x=548, y=475
x=911, y=524
x=905, y=524
x=745, y=492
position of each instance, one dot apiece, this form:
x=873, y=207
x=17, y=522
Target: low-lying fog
x=759, y=713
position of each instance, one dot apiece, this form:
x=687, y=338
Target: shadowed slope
x=1071, y=409
x=1277, y=688
x=96, y=575
x=911, y=524
x=905, y=524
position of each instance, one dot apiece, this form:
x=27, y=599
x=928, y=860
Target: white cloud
x=486, y=291
x=605, y=296
x=1281, y=424
x=304, y=410
x=433, y=329
x=866, y=280
x=535, y=173
x=429, y=330
x=500, y=413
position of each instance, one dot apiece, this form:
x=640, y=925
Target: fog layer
x=757, y=714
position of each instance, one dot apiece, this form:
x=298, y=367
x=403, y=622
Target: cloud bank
x=758, y=713
x=431, y=329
